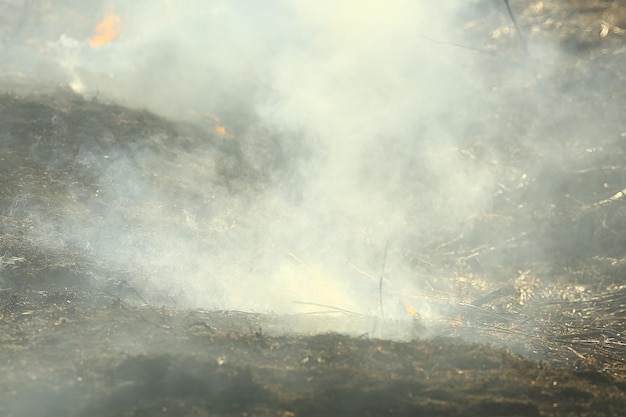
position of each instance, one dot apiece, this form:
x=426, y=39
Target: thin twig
x=519, y=32
x=380, y=282
x=521, y=39
x=458, y=45
x=343, y=310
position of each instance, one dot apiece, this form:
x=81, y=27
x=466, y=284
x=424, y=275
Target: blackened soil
x=523, y=329
x=62, y=358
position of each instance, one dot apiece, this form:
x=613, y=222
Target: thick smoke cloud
x=367, y=111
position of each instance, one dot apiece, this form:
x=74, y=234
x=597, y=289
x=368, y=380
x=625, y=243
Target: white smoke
x=377, y=109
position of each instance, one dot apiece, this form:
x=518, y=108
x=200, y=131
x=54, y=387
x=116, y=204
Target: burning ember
x=221, y=130
x=107, y=30
x=410, y=309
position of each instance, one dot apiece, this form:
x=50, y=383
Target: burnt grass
x=93, y=361
x=525, y=329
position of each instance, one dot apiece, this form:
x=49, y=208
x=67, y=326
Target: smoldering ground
x=335, y=143
x=171, y=174
x=353, y=128
x=343, y=105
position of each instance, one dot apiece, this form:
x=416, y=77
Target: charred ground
x=539, y=329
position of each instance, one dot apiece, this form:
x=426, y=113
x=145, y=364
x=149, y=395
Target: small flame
x=221, y=130
x=410, y=309
x=107, y=30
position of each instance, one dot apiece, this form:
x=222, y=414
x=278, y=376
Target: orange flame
x=410, y=309
x=106, y=30
x=221, y=130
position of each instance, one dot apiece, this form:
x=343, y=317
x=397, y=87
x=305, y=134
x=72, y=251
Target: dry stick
x=458, y=45
x=341, y=310
x=380, y=282
x=519, y=32
x=521, y=38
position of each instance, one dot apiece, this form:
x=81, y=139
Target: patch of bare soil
x=523, y=330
